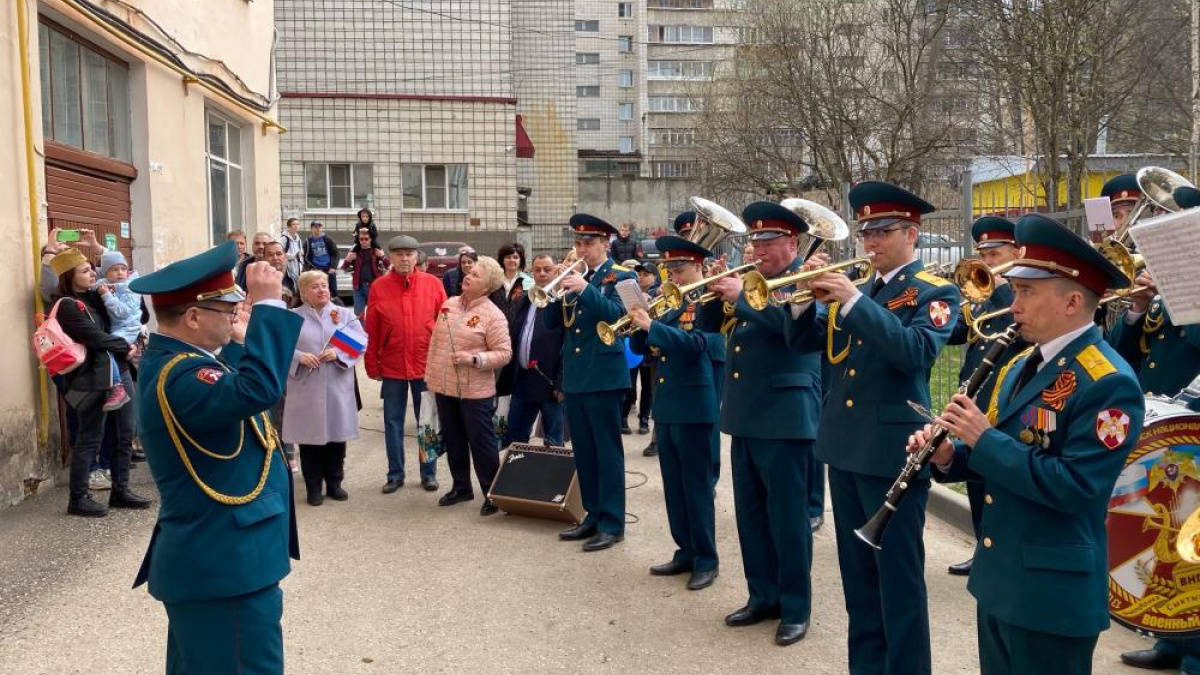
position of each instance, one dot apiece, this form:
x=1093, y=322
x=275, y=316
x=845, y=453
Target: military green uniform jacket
x=770, y=392
x=1165, y=357
x=882, y=352
x=202, y=549
x=974, y=348
x=1048, y=467
x=589, y=364
x=689, y=351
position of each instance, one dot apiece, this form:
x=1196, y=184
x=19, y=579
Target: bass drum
x=1151, y=589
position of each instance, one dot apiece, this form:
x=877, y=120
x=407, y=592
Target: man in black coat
x=535, y=371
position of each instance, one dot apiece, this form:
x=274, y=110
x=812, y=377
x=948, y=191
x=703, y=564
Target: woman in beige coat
x=470, y=344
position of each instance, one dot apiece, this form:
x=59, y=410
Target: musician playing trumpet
x=688, y=352
x=996, y=243
x=880, y=344
x=1049, y=450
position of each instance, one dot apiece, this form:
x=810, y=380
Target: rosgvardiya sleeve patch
x=209, y=375
x=1112, y=427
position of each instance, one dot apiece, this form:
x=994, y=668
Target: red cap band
x=190, y=294
x=1089, y=276
x=888, y=210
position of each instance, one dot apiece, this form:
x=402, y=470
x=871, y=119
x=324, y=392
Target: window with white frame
x=339, y=187
x=681, y=34
x=588, y=91
x=679, y=70
x=434, y=187
x=624, y=10
x=588, y=26
x=672, y=138
x=682, y=4
x=223, y=152
x=625, y=44
x=671, y=169
x=625, y=78
x=587, y=124
x=624, y=111
x=585, y=58
x=625, y=144
x=673, y=104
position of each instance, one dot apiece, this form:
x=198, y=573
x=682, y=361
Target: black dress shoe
x=815, y=524
x=336, y=493
x=315, y=499
x=601, y=541
x=701, y=580
x=643, y=427
x=790, y=633
x=138, y=456
x=581, y=531
x=748, y=616
x=1152, y=659
x=392, y=485
x=489, y=507
x=87, y=507
x=452, y=497
x=670, y=569
x=961, y=569
x=651, y=450
x=625, y=428
x=429, y=484
x=127, y=500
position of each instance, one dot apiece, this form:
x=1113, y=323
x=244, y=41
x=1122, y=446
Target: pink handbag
x=58, y=352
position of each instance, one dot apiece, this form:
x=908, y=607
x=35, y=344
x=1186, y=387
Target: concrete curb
x=951, y=507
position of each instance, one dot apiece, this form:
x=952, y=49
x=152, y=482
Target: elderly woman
x=83, y=318
x=470, y=343
x=319, y=412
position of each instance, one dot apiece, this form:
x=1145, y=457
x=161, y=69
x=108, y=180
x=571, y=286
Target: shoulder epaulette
x=932, y=279
x=1095, y=362
x=620, y=268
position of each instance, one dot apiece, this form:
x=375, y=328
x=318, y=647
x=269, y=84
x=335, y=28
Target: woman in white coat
x=320, y=413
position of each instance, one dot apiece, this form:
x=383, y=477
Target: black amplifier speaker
x=538, y=481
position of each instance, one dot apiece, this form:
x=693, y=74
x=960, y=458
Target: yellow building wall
x=1025, y=192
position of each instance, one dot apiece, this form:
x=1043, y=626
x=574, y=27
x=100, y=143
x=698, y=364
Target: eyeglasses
x=877, y=234
x=232, y=314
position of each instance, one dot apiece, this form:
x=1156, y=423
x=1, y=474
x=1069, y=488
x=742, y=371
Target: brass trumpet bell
x=541, y=296
x=674, y=295
x=714, y=224
x=758, y=289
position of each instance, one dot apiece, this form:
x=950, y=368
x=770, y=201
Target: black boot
x=87, y=507
x=127, y=499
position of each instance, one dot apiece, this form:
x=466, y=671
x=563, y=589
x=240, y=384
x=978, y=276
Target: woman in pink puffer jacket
x=470, y=345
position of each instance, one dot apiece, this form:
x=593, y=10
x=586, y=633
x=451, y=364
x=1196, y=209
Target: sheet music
x=1098, y=211
x=1170, y=246
x=631, y=294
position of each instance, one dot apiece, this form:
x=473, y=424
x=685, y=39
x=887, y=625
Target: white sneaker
x=98, y=481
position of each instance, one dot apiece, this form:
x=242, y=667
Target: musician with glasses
x=771, y=401
x=595, y=380
x=1166, y=358
x=880, y=344
x=688, y=351
x=1049, y=450
x=996, y=243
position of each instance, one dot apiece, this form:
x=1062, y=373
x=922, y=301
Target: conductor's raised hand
x=263, y=282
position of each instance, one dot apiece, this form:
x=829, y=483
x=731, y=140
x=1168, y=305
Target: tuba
x=823, y=224
x=541, y=296
x=714, y=224
x=1158, y=187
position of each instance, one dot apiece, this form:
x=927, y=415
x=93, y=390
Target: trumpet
x=622, y=327
x=541, y=296
x=758, y=289
x=674, y=295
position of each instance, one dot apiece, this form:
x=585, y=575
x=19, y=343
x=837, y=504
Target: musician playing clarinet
x=1049, y=449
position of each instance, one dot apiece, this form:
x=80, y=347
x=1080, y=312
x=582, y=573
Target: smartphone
x=68, y=235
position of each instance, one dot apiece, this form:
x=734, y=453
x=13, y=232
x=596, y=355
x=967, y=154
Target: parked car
x=345, y=281
x=650, y=251
x=443, y=256
x=939, y=253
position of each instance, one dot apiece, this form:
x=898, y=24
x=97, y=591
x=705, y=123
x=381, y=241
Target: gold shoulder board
x=932, y=279
x=620, y=268
x=1095, y=362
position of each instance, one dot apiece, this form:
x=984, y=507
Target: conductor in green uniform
x=1049, y=449
x=226, y=523
x=595, y=377
x=689, y=351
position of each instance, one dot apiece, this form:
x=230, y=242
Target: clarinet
x=872, y=531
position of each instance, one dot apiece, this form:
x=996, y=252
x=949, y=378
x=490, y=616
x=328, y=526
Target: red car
x=443, y=256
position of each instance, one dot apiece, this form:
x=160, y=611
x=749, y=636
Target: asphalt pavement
x=395, y=584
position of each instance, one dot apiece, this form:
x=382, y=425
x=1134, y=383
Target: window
x=588, y=91
x=624, y=10
x=583, y=59
x=85, y=95
x=440, y=187
x=625, y=78
x=587, y=124
x=625, y=144
x=671, y=138
x=671, y=169
x=681, y=34
x=670, y=104
x=625, y=44
x=625, y=111
x=223, y=149
x=680, y=4
x=609, y=168
x=587, y=26
x=346, y=187
x=679, y=70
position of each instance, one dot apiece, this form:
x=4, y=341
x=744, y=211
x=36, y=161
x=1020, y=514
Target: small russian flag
x=349, y=342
